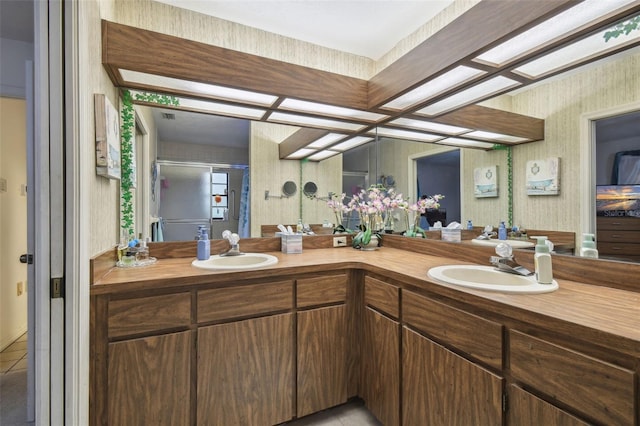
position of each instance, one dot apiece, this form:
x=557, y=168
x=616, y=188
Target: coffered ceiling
x=427, y=95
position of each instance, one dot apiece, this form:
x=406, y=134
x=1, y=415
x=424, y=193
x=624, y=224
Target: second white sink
x=513, y=243
x=488, y=278
x=242, y=262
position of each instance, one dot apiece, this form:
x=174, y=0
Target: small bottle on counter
x=204, y=246
x=588, y=248
x=542, y=262
x=299, y=227
x=502, y=231
x=469, y=225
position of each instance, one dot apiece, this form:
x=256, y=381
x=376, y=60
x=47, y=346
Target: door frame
x=588, y=164
x=412, y=170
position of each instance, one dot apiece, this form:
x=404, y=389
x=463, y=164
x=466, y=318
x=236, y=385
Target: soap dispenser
x=502, y=231
x=588, y=248
x=204, y=246
x=542, y=262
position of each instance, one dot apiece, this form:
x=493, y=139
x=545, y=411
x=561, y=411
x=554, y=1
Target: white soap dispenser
x=588, y=248
x=542, y=262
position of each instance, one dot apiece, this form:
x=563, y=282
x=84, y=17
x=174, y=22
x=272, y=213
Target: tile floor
x=353, y=413
x=350, y=414
x=14, y=357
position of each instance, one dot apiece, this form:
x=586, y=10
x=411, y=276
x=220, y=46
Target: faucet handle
x=504, y=250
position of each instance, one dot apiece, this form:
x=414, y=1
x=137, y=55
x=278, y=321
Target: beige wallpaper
x=269, y=173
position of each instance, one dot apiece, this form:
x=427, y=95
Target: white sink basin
x=242, y=262
x=488, y=278
x=512, y=243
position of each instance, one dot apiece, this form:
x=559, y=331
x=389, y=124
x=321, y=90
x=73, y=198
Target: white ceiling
x=361, y=27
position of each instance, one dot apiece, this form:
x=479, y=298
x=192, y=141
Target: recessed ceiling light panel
x=302, y=120
x=446, y=81
x=187, y=86
x=575, y=53
x=322, y=155
x=465, y=143
x=326, y=140
x=407, y=134
x=351, y=143
x=496, y=137
x=301, y=153
x=222, y=109
x=329, y=110
x=430, y=126
x=470, y=95
x=552, y=29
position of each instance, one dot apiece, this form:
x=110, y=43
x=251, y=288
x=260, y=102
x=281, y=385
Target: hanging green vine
x=509, y=181
x=625, y=28
x=127, y=172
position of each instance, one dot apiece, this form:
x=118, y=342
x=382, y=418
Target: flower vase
x=372, y=245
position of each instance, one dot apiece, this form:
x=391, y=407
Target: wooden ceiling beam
x=300, y=139
x=490, y=22
x=126, y=47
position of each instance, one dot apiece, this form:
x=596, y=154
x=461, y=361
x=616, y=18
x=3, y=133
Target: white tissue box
x=454, y=235
x=291, y=243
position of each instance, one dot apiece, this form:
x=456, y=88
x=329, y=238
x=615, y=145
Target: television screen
x=618, y=200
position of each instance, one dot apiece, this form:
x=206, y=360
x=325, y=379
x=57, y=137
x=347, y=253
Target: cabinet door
x=527, y=410
x=440, y=387
x=322, y=359
x=245, y=372
x=380, y=368
x=149, y=380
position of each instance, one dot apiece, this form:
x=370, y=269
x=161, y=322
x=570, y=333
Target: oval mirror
x=310, y=189
x=289, y=188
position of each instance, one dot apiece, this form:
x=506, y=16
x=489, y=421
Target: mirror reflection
x=202, y=161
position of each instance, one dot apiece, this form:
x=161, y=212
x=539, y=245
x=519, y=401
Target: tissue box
x=454, y=235
x=291, y=243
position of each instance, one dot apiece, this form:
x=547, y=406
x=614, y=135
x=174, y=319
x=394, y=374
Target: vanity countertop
x=607, y=315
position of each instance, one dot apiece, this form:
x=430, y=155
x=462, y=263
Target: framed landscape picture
x=107, y=138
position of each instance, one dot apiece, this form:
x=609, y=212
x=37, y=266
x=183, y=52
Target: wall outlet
x=339, y=241
x=19, y=288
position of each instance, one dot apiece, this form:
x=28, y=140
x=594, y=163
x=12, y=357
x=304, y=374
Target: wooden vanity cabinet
x=245, y=367
x=452, y=384
x=380, y=359
x=322, y=342
x=526, y=409
x=142, y=358
x=594, y=389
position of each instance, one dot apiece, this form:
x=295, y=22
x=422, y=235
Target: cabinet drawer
x=623, y=249
x=618, y=223
x=146, y=314
x=242, y=301
x=476, y=336
x=321, y=290
x=619, y=236
x=382, y=296
x=598, y=389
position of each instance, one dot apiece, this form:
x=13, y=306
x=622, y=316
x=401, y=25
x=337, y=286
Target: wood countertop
x=609, y=317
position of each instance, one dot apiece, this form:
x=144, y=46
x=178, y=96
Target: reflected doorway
x=439, y=173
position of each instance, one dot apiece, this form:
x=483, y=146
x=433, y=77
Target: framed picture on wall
x=485, y=182
x=107, y=138
x=543, y=176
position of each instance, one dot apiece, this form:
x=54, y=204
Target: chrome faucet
x=505, y=262
x=234, y=240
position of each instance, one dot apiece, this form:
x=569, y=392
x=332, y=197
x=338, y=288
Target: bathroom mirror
x=289, y=188
x=310, y=189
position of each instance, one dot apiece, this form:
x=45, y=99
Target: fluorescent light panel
x=575, y=53
x=326, y=140
x=215, y=108
x=552, y=29
x=470, y=95
x=407, y=134
x=465, y=143
x=329, y=110
x=322, y=123
x=351, y=143
x=430, y=126
x=301, y=153
x=446, y=81
x=497, y=137
x=322, y=155
x=200, y=88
